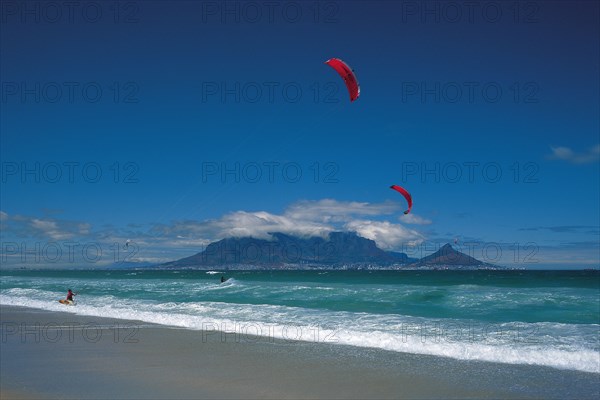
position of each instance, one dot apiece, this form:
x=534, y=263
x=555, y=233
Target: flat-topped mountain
x=339, y=249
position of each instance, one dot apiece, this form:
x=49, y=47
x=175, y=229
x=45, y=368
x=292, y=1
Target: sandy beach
x=50, y=355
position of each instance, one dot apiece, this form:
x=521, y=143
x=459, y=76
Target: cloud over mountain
x=302, y=219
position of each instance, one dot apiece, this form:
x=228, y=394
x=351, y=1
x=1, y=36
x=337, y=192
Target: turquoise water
x=524, y=317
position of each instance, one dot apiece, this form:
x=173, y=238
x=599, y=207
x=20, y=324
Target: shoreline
x=113, y=358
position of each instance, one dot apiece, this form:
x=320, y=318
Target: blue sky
x=174, y=124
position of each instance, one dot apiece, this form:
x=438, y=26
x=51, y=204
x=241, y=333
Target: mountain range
x=338, y=250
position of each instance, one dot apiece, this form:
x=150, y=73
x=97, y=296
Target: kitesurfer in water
x=70, y=295
x=223, y=279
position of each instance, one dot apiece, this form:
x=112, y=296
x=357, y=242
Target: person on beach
x=70, y=295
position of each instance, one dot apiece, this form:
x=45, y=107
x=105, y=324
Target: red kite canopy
x=406, y=195
x=348, y=75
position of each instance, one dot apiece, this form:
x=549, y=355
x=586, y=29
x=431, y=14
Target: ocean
x=547, y=318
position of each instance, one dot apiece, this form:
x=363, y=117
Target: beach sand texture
x=61, y=355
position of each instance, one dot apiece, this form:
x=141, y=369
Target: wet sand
x=50, y=355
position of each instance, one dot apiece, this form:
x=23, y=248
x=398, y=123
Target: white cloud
x=242, y=223
x=566, y=154
x=46, y=228
x=50, y=229
x=329, y=210
x=260, y=224
x=300, y=219
x=84, y=228
x=414, y=219
x=388, y=236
